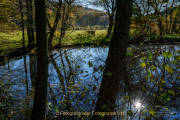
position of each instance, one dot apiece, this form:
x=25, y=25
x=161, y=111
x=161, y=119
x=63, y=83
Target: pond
x=74, y=80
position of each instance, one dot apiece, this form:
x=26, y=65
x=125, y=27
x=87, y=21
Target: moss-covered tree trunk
x=115, y=62
x=39, y=106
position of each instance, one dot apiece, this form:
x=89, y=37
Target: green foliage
x=129, y=112
x=94, y=88
x=165, y=0
x=167, y=54
x=171, y=92
x=90, y=64
x=165, y=97
x=8, y=12
x=149, y=56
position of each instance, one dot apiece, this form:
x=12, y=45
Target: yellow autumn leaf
x=162, y=80
x=143, y=64
x=169, y=69
x=151, y=76
x=129, y=48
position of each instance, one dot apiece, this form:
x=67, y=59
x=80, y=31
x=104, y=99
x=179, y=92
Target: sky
x=86, y=3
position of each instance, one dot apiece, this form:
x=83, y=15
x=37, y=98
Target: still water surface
x=74, y=81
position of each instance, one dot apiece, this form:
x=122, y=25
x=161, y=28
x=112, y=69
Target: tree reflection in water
x=73, y=84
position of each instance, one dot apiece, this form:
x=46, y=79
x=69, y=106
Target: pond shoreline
x=18, y=52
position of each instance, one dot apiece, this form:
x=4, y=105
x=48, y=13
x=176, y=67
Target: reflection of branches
x=175, y=96
x=153, y=89
x=60, y=76
x=53, y=96
x=58, y=55
x=70, y=70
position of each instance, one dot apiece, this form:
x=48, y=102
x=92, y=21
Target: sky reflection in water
x=78, y=89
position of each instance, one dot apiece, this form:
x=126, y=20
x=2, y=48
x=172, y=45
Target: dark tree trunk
x=171, y=19
x=30, y=28
x=40, y=96
x=170, y=26
x=31, y=24
x=116, y=59
x=110, y=25
x=166, y=21
x=24, y=49
x=173, y=28
x=160, y=26
x=28, y=23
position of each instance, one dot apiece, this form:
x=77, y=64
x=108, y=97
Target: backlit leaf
x=149, y=56
x=171, y=92
x=152, y=112
x=167, y=54
x=143, y=64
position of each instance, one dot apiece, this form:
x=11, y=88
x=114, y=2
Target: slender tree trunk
x=166, y=21
x=39, y=106
x=170, y=26
x=30, y=29
x=28, y=23
x=64, y=22
x=62, y=26
x=24, y=49
x=171, y=17
x=160, y=26
x=174, y=25
x=31, y=24
x=116, y=59
x=110, y=25
x=53, y=29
